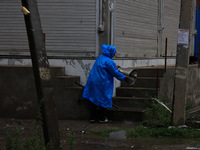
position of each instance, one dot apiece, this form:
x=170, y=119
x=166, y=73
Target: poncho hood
x=108, y=50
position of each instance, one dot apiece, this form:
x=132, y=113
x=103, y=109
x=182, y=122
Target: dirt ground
x=84, y=141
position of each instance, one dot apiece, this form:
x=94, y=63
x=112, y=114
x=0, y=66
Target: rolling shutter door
x=70, y=27
x=13, y=37
x=136, y=28
x=171, y=24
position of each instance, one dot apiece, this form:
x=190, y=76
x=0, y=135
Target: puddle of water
x=118, y=135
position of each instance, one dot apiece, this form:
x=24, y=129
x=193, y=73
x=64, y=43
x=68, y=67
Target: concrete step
x=19, y=97
x=129, y=109
x=57, y=71
x=145, y=82
x=126, y=114
x=135, y=92
x=69, y=105
x=66, y=81
x=150, y=72
x=134, y=100
x=131, y=102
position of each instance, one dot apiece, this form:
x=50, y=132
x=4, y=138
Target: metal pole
x=165, y=54
x=157, y=83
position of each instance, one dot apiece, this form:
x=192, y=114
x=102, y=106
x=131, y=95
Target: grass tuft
x=163, y=132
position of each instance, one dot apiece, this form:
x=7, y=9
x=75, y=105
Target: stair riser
x=19, y=97
x=66, y=81
x=57, y=71
x=140, y=103
x=150, y=72
x=69, y=105
x=122, y=92
x=146, y=83
x=126, y=116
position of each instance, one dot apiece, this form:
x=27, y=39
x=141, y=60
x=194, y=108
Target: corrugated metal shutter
x=70, y=27
x=136, y=28
x=13, y=38
x=171, y=24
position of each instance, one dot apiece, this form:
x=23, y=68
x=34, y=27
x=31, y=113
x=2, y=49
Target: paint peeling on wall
x=86, y=67
x=71, y=63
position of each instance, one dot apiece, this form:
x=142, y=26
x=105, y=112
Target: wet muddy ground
x=80, y=140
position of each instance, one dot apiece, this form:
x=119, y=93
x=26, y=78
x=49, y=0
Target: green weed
x=102, y=133
x=13, y=140
x=163, y=132
x=71, y=140
x=157, y=116
x=17, y=140
x=142, y=131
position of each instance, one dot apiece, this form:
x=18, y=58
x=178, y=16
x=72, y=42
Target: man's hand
x=118, y=67
x=129, y=80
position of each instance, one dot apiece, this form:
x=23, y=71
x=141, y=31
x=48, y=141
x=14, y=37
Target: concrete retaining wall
x=19, y=97
x=193, y=86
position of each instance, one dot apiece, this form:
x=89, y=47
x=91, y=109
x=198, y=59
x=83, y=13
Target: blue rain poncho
x=99, y=86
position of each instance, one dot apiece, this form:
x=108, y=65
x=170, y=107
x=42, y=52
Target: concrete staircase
x=19, y=97
x=68, y=94
x=132, y=100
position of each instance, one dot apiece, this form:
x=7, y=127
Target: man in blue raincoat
x=99, y=87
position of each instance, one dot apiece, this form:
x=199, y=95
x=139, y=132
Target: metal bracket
x=101, y=28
